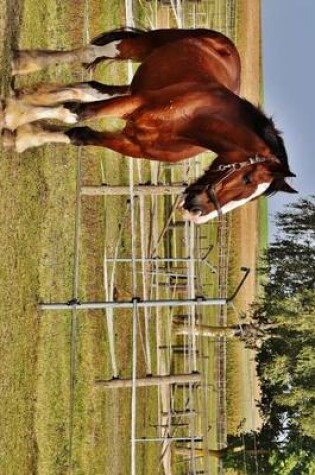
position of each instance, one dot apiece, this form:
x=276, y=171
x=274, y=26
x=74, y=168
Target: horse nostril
x=195, y=210
x=193, y=205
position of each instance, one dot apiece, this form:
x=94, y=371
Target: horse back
x=204, y=58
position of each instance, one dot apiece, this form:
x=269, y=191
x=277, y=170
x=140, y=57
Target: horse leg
x=119, y=107
x=122, y=44
x=105, y=46
x=31, y=135
x=51, y=94
x=116, y=141
x=18, y=112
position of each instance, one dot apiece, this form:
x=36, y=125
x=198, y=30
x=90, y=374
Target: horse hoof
x=2, y=115
x=11, y=92
x=14, y=63
x=19, y=63
x=8, y=139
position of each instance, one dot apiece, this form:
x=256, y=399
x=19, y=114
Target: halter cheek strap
x=213, y=197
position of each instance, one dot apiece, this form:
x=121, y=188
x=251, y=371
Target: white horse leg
x=50, y=94
x=18, y=113
x=29, y=61
x=29, y=136
x=2, y=115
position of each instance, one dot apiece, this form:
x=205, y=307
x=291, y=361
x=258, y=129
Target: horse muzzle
x=194, y=208
x=193, y=204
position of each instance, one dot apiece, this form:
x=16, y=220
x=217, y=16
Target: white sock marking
x=109, y=51
x=29, y=136
x=90, y=53
x=19, y=113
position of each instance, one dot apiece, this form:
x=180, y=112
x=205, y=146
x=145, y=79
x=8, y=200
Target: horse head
x=235, y=179
x=225, y=187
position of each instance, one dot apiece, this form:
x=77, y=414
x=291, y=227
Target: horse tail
x=125, y=33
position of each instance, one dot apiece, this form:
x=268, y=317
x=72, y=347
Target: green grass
x=37, y=206
x=263, y=224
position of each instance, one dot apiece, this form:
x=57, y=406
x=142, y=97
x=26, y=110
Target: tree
x=286, y=360
x=265, y=454
x=290, y=260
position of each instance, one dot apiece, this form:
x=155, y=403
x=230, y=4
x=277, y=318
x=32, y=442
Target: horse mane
x=265, y=128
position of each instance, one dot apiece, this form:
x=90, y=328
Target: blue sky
x=289, y=87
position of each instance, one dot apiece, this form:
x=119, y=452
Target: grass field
x=53, y=420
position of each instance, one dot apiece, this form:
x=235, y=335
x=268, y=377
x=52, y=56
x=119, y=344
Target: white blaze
x=198, y=219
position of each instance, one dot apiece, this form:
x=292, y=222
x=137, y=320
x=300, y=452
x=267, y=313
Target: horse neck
x=233, y=139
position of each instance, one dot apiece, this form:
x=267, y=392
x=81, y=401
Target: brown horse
x=183, y=100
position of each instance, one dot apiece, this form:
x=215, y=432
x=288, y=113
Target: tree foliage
x=290, y=260
x=286, y=360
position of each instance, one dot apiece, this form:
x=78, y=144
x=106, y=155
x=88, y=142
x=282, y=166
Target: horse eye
x=247, y=180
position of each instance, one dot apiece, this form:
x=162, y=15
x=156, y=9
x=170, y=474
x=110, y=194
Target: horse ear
x=284, y=171
x=288, y=173
x=284, y=186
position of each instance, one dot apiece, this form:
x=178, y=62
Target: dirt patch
x=247, y=229
x=246, y=219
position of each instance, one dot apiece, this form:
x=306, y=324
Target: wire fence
x=177, y=272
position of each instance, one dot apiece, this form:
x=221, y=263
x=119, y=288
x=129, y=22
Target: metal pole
x=134, y=385
x=184, y=413
x=169, y=439
x=240, y=285
x=75, y=304
x=150, y=381
x=157, y=259
x=143, y=190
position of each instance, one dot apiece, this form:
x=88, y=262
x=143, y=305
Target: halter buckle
x=254, y=160
x=222, y=168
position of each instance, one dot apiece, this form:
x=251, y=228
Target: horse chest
x=154, y=123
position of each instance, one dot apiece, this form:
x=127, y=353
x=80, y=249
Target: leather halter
x=238, y=165
x=231, y=168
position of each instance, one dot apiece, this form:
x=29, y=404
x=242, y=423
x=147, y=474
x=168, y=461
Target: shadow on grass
x=10, y=40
